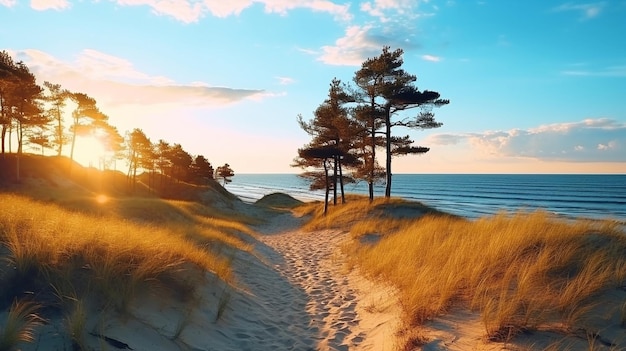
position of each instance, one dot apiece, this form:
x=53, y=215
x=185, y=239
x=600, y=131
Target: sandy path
x=304, y=299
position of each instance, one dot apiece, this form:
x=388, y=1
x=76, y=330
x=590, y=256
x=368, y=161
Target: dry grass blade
x=20, y=325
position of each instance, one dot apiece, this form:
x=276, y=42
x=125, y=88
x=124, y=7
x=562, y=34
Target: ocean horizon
x=594, y=196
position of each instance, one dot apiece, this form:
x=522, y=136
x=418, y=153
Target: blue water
x=474, y=195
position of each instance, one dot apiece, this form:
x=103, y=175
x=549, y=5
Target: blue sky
x=535, y=86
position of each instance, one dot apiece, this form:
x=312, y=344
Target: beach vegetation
x=520, y=271
x=19, y=325
x=105, y=259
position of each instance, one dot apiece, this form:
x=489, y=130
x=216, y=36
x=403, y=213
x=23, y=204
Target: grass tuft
x=19, y=325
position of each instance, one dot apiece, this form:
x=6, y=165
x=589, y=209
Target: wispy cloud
x=341, y=12
x=115, y=81
x=285, y=80
x=431, y=58
x=186, y=11
x=390, y=10
x=583, y=71
x=588, y=11
x=590, y=140
x=190, y=11
x=42, y=5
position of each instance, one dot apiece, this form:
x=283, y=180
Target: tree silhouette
x=56, y=97
x=225, y=172
x=202, y=169
x=8, y=80
x=25, y=107
x=322, y=155
x=391, y=90
x=139, y=153
x=331, y=129
x=181, y=161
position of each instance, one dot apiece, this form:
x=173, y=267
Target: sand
x=293, y=292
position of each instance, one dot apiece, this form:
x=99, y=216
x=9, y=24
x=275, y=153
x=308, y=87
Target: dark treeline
x=34, y=116
x=357, y=120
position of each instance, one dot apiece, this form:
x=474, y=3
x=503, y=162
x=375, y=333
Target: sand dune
x=293, y=292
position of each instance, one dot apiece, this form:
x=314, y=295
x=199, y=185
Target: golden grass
x=76, y=253
x=20, y=325
x=356, y=209
x=519, y=270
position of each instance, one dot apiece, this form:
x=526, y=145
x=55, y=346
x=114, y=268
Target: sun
x=89, y=151
x=102, y=199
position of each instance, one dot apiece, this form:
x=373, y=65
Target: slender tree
x=331, y=128
x=392, y=90
x=26, y=110
x=320, y=155
x=163, y=163
x=8, y=82
x=56, y=98
x=139, y=151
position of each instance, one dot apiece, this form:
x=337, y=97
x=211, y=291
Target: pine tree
x=388, y=90
x=333, y=138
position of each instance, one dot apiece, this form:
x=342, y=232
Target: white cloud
x=395, y=25
x=42, y=5
x=186, y=11
x=390, y=10
x=590, y=140
x=352, y=49
x=189, y=11
x=221, y=8
x=588, y=11
x=8, y=3
x=114, y=81
x=283, y=6
x=431, y=58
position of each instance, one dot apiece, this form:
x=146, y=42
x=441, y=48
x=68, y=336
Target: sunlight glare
x=89, y=151
x=102, y=199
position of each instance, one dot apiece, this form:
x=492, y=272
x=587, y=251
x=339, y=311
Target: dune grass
x=20, y=324
x=520, y=271
x=54, y=251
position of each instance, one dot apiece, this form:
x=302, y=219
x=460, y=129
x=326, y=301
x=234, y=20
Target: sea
x=471, y=195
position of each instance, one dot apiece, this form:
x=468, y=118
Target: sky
x=534, y=86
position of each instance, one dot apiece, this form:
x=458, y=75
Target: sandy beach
x=294, y=291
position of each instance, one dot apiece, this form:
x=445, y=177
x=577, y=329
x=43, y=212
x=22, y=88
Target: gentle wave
x=590, y=196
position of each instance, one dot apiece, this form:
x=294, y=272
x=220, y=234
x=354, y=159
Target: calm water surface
x=472, y=195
